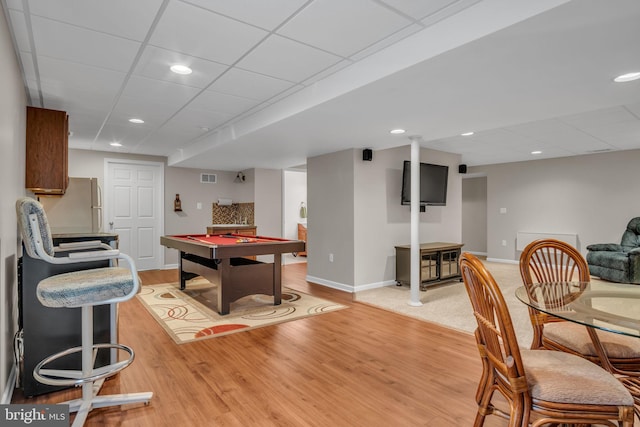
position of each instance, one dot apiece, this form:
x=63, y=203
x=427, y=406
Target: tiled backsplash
x=236, y=213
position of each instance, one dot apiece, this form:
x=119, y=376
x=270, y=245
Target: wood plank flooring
x=360, y=366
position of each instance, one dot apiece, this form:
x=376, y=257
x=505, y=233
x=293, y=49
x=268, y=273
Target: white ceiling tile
x=15, y=4
x=537, y=128
x=278, y=97
x=419, y=9
x=265, y=14
x=153, y=113
x=27, y=66
x=62, y=41
x=222, y=103
x=200, y=33
x=151, y=91
x=449, y=10
x=354, y=25
x=20, y=31
x=248, y=84
x=194, y=121
x=286, y=59
x=387, y=41
x=155, y=62
x=327, y=72
x=34, y=94
x=634, y=108
x=81, y=144
x=84, y=125
x=620, y=135
x=157, y=145
x=127, y=134
x=591, y=119
x=67, y=84
x=123, y=18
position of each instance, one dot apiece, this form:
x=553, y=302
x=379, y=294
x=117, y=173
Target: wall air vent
x=208, y=178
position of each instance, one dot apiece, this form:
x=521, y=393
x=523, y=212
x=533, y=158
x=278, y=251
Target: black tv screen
x=433, y=184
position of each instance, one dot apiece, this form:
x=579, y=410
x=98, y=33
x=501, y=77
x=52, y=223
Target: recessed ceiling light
x=536, y=152
x=627, y=77
x=181, y=69
x=115, y=144
x=397, y=131
x=137, y=121
x=467, y=134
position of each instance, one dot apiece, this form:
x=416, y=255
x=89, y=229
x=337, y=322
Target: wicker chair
x=550, y=260
x=541, y=387
x=84, y=289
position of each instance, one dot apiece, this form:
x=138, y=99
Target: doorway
x=133, y=209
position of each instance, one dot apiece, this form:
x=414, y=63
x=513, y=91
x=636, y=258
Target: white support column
x=415, y=222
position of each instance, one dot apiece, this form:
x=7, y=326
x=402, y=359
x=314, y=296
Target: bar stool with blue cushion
x=84, y=289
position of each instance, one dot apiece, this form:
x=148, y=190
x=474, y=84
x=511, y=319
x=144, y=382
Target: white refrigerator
x=79, y=210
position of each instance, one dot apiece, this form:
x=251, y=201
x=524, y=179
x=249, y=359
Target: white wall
x=294, y=193
x=593, y=196
x=12, y=170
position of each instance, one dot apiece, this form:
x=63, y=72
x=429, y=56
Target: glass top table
x=608, y=306
x=605, y=306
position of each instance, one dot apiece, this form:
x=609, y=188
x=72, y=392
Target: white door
x=133, y=209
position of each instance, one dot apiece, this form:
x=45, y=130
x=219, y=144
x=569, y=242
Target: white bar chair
x=84, y=289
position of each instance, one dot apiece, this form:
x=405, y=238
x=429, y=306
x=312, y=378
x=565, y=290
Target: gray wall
x=355, y=214
x=12, y=170
x=330, y=218
x=593, y=196
x=474, y=214
x=268, y=201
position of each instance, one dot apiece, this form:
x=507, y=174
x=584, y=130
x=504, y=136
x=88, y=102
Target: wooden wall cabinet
x=47, y=151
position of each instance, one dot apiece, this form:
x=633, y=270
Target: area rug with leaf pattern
x=191, y=314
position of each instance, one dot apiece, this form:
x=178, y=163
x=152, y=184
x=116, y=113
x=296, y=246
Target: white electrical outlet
x=330, y=257
x=504, y=243
x=198, y=205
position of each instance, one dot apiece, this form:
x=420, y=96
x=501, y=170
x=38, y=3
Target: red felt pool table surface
x=221, y=259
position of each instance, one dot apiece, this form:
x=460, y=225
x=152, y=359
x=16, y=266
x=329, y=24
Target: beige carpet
x=191, y=314
x=448, y=303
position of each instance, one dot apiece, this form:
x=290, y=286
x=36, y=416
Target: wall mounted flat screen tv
x=433, y=184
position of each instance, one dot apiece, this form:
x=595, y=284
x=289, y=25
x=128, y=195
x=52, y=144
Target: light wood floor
x=361, y=366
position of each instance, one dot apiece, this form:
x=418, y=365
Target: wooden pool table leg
x=183, y=279
x=277, y=278
x=224, y=302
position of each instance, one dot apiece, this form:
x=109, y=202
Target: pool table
x=221, y=260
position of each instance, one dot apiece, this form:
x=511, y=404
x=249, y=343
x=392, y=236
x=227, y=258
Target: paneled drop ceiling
x=277, y=81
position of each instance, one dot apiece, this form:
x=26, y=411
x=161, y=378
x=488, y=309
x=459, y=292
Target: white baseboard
x=330, y=284
x=9, y=386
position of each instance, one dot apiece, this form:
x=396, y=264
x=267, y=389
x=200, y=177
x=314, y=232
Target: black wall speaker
x=367, y=154
x=462, y=168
